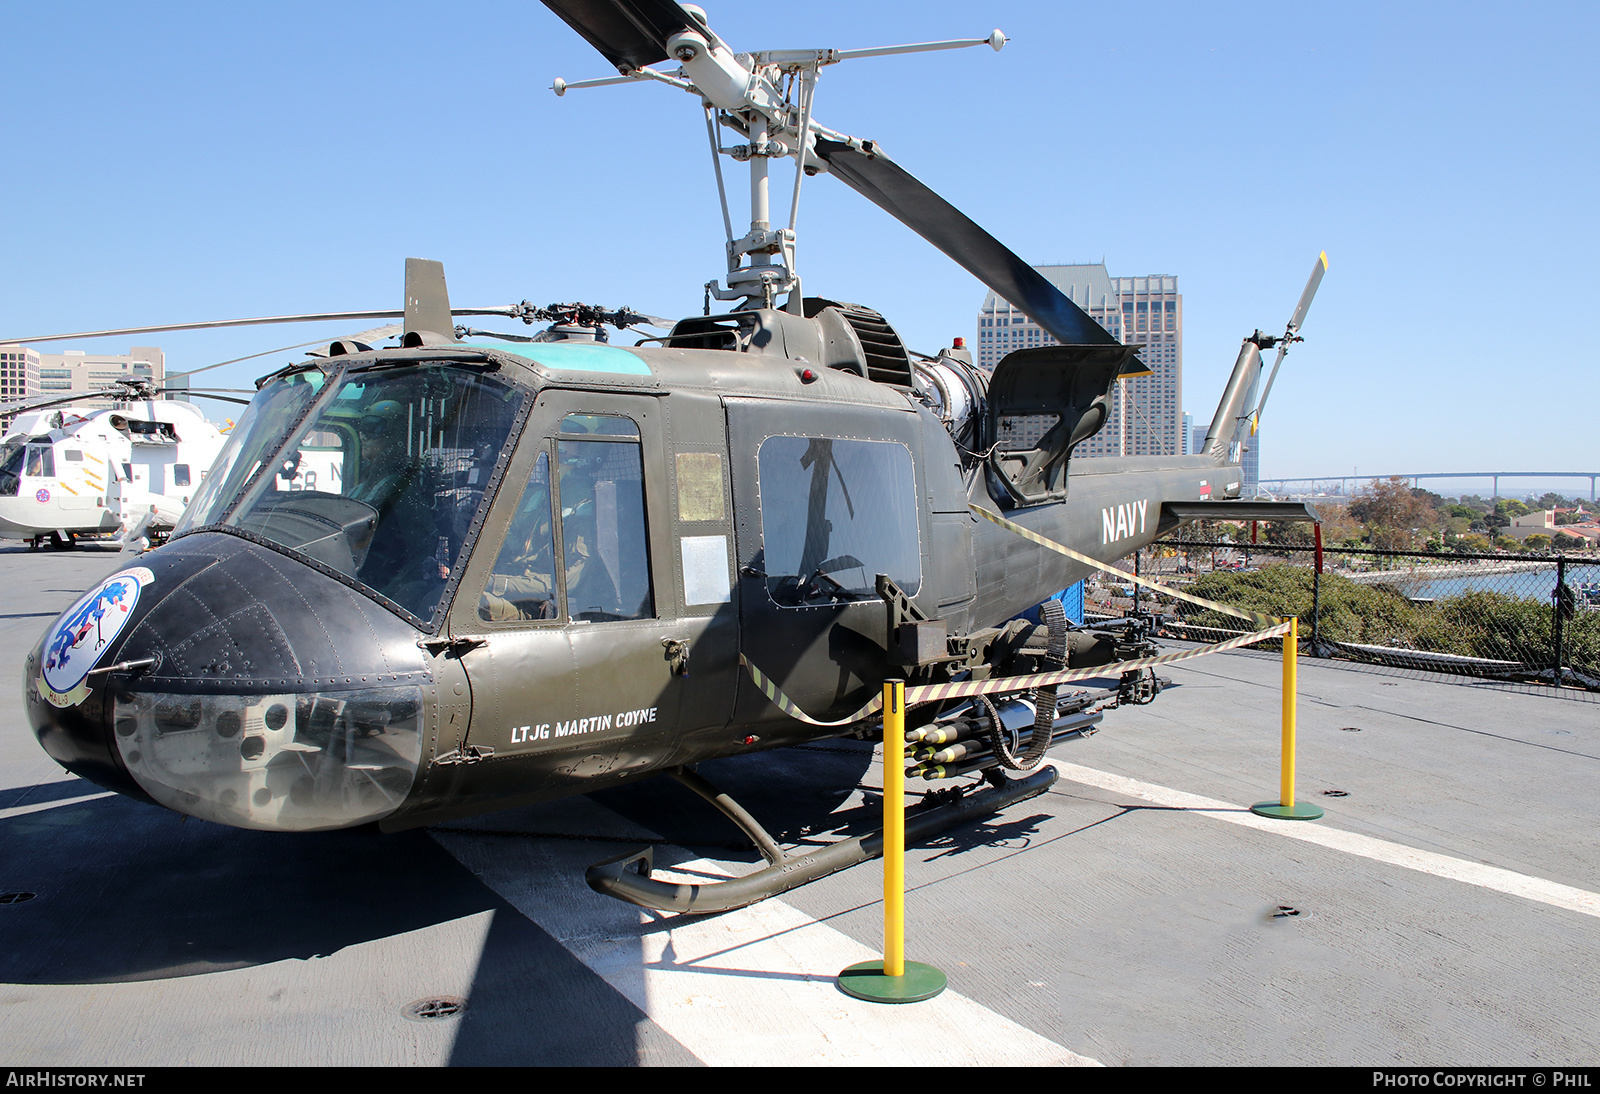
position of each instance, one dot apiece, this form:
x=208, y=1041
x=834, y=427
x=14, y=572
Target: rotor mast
x=765, y=97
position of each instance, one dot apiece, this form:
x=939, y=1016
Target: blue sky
x=171, y=162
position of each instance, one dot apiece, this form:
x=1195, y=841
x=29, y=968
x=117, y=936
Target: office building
x=19, y=378
x=78, y=370
x=1146, y=411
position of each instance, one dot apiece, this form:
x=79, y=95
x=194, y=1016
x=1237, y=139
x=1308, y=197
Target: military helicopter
x=72, y=469
x=127, y=471
x=553, y=564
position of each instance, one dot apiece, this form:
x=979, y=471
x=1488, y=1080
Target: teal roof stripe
x=573, y=357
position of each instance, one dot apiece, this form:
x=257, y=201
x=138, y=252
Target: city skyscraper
x=1146, y=411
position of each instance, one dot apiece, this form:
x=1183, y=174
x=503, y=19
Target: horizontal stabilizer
x=1240, y=510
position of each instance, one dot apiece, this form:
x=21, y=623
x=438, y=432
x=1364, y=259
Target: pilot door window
x=834, y=514
x=522, y=585
x=604, y=562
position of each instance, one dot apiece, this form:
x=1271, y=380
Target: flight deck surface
x=1445, y=911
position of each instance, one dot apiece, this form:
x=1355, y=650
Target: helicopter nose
x=230, y=682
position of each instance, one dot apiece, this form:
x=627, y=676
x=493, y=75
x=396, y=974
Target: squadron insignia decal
x=85, y=631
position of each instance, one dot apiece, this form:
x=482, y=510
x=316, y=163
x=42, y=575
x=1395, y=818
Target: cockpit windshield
x=11, y=454
x=380, y=481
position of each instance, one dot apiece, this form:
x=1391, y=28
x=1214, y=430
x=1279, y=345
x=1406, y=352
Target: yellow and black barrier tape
x=933, y=693
x=788, y=706
x=1258, y=618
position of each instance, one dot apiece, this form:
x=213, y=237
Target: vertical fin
x=427, y=299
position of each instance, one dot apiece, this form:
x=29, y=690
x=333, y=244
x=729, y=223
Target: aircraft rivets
x=435, y=1008
x=458, y=689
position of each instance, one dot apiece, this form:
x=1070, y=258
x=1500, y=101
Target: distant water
x=1537, y=584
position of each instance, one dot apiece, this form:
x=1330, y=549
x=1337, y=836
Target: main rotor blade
x=886, y=184
x=192, y=393
x=46, y=402
x=376, y=334
x=309, y=317
x=629, y=33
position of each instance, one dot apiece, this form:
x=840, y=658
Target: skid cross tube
x=627, y=877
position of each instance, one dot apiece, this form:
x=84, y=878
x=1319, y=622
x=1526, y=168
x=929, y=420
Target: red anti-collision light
x=807, y=376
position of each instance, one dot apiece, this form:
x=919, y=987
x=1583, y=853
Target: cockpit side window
x=522, y=584
x=41, y=462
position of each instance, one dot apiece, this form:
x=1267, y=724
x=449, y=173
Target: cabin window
x=180, y=474
x=72, y=455
x=836, y=513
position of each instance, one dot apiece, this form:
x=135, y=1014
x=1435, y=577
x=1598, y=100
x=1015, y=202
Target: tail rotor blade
x=1318, y=268
x=883, y=182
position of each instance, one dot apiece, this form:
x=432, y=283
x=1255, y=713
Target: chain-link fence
x=1528, y=621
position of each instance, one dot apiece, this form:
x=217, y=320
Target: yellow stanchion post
x=894, y=979
x=1286, y=808
x=894, y=828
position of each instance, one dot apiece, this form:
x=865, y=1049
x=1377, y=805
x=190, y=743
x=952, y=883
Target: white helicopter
x=126, y=472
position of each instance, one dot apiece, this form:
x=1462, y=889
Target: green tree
x=1395, y=517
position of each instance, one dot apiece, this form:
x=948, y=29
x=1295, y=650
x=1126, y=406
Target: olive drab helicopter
x=552, y=564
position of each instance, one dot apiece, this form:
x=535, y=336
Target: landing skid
x=627, y=877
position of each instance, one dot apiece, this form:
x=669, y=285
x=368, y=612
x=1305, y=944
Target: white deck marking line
x=58, y=803
x=753, y=986
x=1428, y=862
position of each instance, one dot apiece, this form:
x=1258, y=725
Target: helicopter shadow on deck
x=128, y=892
